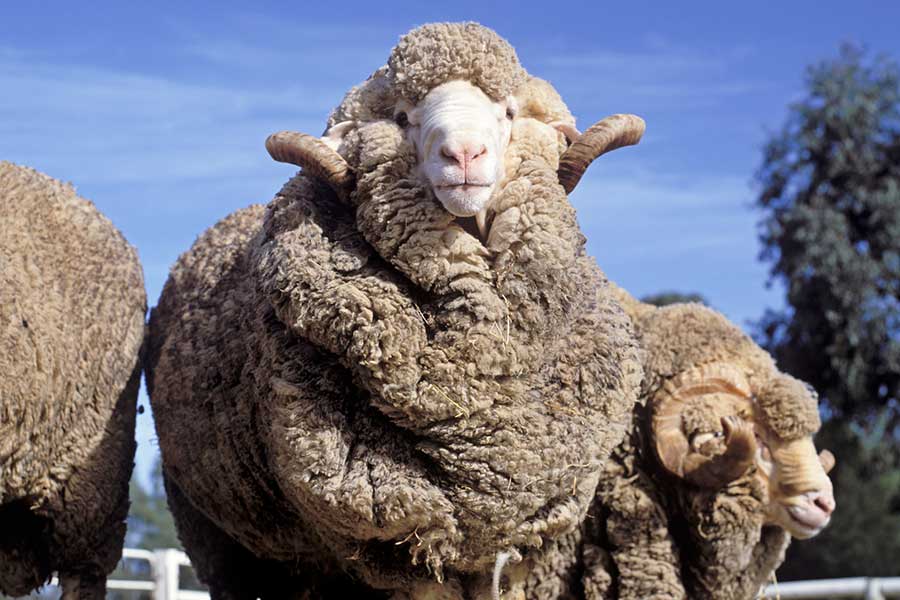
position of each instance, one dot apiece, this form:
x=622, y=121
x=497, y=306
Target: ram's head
x=711, y=427
x=457, y=116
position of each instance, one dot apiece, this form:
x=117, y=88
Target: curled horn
x=672, y=445
x=316, y=158
x=612, y=132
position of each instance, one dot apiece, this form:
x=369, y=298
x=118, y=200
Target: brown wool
x=72, y=307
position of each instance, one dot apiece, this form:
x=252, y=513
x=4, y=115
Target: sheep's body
x=72, y=307
x=344, y=389
x=336, y=472
x=651, y=535
x=348, y=380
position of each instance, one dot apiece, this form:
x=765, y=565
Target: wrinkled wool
x=659, y=537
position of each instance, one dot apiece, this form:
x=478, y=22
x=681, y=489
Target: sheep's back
x=72, y=307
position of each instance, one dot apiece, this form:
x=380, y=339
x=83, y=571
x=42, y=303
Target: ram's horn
x=316, y=158
x=672, y=445
x=612, y=132
x=721, y=469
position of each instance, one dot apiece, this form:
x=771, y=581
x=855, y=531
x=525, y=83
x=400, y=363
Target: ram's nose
x=815, y=509
x=824, y=501
x=463, y=150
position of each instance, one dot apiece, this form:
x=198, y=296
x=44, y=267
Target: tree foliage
x=672, y=297
x=830, y=196
x=150, y=524
x=831, y=227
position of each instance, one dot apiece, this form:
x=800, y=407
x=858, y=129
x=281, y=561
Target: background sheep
x=72, y=307
x=353, y=377
x=702, y=500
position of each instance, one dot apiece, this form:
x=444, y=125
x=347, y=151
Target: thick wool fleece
x=628, y=550
x=662, y=537
x=434, y=54
x=539, y=100
x=72, y=307
x=365, y=387
x=439, y=52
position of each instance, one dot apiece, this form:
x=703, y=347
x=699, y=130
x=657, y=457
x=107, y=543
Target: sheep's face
x=708, y=429
x=460, y=136
x=801, y=499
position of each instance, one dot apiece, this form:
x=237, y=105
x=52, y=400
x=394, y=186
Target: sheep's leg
x=644, y=560
x=25, y=560
x=217, y=592
x=229, y=569
x=736, y=565
x=82, y=586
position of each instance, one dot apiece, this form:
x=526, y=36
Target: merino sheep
x=405, y=367
x=72, y=307
x=721, y=470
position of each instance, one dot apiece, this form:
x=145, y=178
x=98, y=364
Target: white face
x=460, y=136
x=801, y=498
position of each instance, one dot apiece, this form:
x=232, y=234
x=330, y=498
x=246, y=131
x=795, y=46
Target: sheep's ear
x=610, y=133
x=827, y=460
x=567, y=129
x=317, y=158
x=334, y=135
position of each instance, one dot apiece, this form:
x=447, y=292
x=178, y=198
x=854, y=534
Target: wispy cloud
x=650, y=63
x=657, y=73
x=289, y=46
x=131, y=127
x=653, y=230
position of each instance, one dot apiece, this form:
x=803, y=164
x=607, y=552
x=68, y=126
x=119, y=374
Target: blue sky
x=158, y=113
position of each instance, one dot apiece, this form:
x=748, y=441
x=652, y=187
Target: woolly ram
x=404, y=372
x=702, y=498
x=406, y=357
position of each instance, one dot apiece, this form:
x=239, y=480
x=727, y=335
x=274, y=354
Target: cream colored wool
x=654, y=536
x=370, y=389
x=72, y=307
x=439, y=52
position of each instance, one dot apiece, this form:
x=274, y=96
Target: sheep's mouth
x=809, y=519
x=463, y=187
x=466, y=199
x=806, y=523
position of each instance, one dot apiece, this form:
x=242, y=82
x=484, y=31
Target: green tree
x=672, y=297
x=150, y=524
x=830, y=196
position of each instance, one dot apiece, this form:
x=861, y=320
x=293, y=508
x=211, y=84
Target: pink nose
x=815, y=511
x=463, y=151
x=824, y=501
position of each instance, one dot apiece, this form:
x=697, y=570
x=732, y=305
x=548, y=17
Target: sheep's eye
x=510, y=113
x=698, y=440
x=401, y=119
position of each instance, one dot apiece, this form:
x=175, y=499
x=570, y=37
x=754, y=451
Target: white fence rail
x=867, y=588
x=164, y=567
